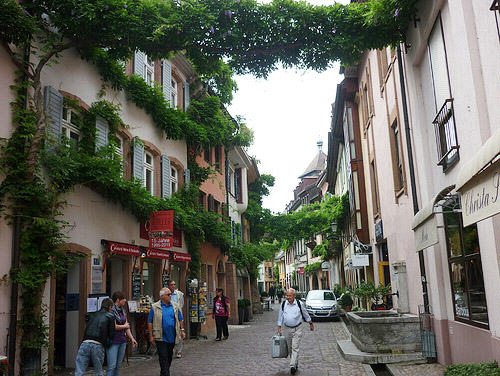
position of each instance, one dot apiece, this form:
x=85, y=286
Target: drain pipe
x=411, y=168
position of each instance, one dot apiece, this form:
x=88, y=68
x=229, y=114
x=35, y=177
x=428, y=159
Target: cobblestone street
x=248, y=352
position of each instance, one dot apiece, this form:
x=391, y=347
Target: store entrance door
x=67, y=318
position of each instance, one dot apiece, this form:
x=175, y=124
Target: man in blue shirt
x=165, y=327
x=290, y=317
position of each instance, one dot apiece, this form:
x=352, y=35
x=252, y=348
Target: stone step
x=350, y=352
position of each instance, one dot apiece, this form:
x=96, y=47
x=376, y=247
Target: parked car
x=322, y=304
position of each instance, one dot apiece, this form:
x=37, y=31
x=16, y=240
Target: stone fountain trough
x=382, y=337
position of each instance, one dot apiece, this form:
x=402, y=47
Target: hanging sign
x=301, y=270
x=161, y=229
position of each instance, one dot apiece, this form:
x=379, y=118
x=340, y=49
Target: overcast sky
x=289, y=113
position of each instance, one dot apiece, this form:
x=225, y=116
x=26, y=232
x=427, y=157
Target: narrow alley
x=248, y=352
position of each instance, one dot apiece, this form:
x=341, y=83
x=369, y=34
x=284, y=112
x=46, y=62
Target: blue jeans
x=87, y=351
x=115, y=354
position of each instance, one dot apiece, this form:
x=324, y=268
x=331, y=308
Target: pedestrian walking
x=279, y=293
x=178, y=298
x=99, y=333
x=221, y=313
x=166, y=328
x=290, y=317
x=272, y=293
x=116, y=352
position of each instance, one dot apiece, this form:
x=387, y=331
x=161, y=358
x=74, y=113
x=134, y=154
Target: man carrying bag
x=290, y=317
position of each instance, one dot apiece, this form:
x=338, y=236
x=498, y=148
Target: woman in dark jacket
x=221, y=313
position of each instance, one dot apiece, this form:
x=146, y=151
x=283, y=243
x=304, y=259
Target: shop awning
x=424, y=223
x=485, y=155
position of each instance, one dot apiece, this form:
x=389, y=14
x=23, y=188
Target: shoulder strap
x=300, y=307
x=283, y=305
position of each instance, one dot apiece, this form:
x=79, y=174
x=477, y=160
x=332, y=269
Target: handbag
x=279, y=346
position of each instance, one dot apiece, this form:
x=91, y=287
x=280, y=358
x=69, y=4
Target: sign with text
x=158, y=253
x=144, y=234
x=161, y=229
x=178, y=256
x=481, y=196
x=301, y=270
x=123, y=249
x=426, y=234
x=359, y=260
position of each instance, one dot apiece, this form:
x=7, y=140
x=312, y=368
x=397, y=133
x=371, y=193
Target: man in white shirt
x=178, y=298
x=290, y=317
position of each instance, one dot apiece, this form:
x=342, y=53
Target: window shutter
x=138, y=161
x=139, y=60
x=165, y=177
x=101, y=135
x=167, y=80
x=187, y=177
x=439, y=68
x=186, y=95
x=54, y=103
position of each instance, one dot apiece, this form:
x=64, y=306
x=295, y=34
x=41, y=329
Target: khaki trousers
x=293, y=337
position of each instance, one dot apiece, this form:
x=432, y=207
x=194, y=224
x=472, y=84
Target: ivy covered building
x=115, y=152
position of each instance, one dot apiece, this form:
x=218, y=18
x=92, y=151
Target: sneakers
x=224, y=338
x=179, y=355
x=217, y=339
x=293, y=370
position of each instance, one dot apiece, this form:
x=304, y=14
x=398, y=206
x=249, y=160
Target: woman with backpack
x=221, y=313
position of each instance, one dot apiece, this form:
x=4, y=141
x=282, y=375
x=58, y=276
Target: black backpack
x=298, y=303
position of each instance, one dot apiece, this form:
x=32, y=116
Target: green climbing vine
x=217, y=37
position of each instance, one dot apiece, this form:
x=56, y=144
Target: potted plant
x=346, y=301
x=246, y=308
x=241, y=311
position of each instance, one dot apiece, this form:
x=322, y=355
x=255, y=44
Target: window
x=466, y=273
x=383, y=66
x=206, y=154
x=218, y=157
x=149, y=71
x=444, y=120
x=70, y=127
x=238, y=186
x=397, y=157
x=149, y=172
x=173, y=95
x=374, y=188
x=174, y=180
x=231, y=182
x=119, y=151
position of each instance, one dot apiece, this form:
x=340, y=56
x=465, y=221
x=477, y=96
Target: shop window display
x=466, y=273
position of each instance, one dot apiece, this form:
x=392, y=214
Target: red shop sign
x=161, y=229
x=301, y=270
x=123, y=249
x=178, y=256
x=158, y=253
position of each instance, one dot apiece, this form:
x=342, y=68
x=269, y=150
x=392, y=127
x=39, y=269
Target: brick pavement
x=247, y=352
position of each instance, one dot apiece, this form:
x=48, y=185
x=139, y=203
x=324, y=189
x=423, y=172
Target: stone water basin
x=385, y=331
